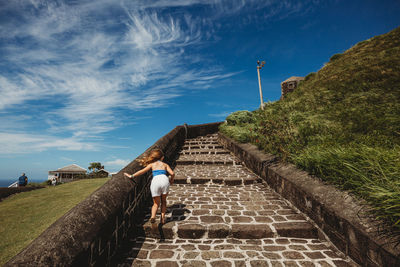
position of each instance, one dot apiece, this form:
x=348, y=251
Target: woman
x=160, y=183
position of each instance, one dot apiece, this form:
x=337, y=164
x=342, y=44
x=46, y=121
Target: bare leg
x=163, y=207
x=156, y=204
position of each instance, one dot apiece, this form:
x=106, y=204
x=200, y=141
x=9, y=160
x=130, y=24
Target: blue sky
x=85, y=81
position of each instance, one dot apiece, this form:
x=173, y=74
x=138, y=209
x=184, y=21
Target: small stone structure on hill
x=289, y=85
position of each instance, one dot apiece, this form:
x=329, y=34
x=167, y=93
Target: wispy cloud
x=95, y=63
x=117, y=162
x=67, y=159
x=220, y=115
x=12, y=143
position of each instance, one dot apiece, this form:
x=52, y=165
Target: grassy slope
x=25, y=216
x=341, y=124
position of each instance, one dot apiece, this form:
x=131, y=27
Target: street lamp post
x=260, y=65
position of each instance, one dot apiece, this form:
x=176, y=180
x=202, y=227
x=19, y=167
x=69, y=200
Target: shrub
x=335, y=57
x=241, y=134
x=240, y=117
x=309, y=76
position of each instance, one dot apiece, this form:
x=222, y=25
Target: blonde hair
x=153, y=156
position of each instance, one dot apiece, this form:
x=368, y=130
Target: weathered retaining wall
x=90, y=233
x=342, y=218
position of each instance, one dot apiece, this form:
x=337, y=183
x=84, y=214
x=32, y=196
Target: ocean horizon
x=7, y=182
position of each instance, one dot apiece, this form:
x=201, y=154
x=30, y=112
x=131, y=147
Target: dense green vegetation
x=341, y=124
x=24, y=216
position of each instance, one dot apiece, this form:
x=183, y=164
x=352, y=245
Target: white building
x=67, y=173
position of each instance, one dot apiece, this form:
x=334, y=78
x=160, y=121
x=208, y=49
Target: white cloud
x=20, y=143
x=221, y=115
x=67, y=159
x=118, y=162
x=95, y=63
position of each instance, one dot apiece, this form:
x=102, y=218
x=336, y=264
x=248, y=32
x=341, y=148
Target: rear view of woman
x=160, y=183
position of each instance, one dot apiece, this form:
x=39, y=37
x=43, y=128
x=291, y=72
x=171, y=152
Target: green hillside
x=341, y=124
x=24, y=216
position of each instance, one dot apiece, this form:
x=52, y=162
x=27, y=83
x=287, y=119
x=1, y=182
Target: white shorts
x=159, y=185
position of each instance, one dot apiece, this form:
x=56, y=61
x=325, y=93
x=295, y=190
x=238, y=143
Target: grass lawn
x=24, y=216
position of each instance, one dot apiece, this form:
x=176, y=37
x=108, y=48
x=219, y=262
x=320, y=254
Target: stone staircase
x=221, y=214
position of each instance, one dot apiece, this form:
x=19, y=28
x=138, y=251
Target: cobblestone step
x=207, y=146
x=149, y=252
x=210, y=230
x=204, y=151
x=185, y=161
x=208, y=137
x=190, y=142
x=217, y=211
x=200, y=159
x=214, y=171
x=220, y=214
x=218, y=180
x=214, y=174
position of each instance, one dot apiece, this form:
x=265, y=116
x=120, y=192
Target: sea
x=7, y=182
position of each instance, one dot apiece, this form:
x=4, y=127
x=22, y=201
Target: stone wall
x=90, y=233
x=343, y=219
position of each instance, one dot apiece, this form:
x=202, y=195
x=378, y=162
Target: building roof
x=71, y=168
x=292, y=79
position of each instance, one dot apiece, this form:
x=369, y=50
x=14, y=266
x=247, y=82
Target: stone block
x=251, y=231
x=191, y=231
x=200, y=212
x=167, y=264
x=159, y=231
x=263, y=219
x=161, y=254
x=250, y=247
x=274, y=248
x=141, y=263
x=224, y=247
x=204, y=247
x=221, y=263
x=250, y=181
x=142, y=254
x=201, y=180
x=292, y=255
x=218, y=231
x=233, y=181
x=233, y=254
x=241, y=263
x=207, y=255
x=188, y=247
x=260, y=263
x=242, y=219
x=314, y=255
x=271, y=255
x=341, y=263
x=217, y=180
x=211, y=219
x=296, y=229
x=191, y=255
x=194, y=264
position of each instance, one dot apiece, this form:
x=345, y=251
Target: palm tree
x=95, y=167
